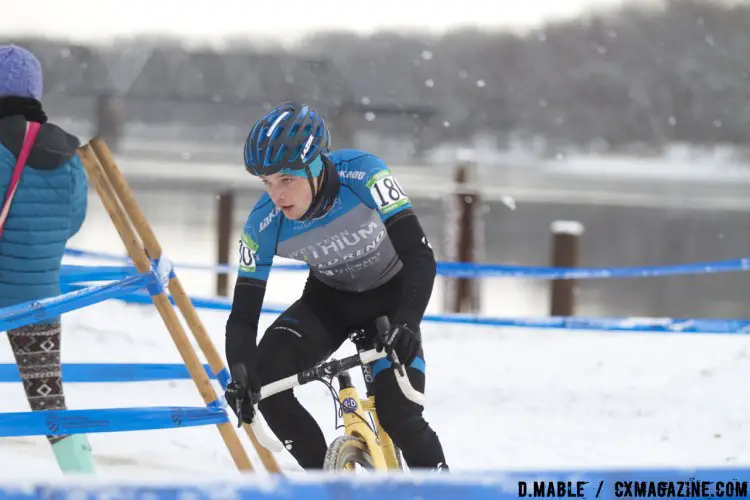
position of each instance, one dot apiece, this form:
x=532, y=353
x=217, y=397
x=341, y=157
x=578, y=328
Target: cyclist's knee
x=401, y=425
x=280, y=407
x=269, y=370
x=397, y=414
x=277, y=402
x=275, y=358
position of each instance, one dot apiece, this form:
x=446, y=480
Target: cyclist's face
x=290, y=193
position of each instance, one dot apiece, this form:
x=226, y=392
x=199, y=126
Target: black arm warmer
x=418, y=274
x=242, y=325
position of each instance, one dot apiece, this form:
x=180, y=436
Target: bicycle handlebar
x=335, y=366
x=330, y=369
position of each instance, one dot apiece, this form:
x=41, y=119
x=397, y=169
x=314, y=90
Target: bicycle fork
x=354, y=410
x=355, y=423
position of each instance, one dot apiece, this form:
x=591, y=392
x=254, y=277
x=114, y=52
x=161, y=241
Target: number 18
x=392, y=189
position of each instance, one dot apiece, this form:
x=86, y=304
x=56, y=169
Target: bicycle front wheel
x=346, y=453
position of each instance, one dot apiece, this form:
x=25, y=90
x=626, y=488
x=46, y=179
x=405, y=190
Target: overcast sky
x=285, y=20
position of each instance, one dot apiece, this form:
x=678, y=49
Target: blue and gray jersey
x=348, y=248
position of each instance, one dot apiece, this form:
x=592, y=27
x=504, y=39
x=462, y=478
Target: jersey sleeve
x=256, y=251
x=379, y=189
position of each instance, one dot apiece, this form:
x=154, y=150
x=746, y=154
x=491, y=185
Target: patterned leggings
x=37, y=352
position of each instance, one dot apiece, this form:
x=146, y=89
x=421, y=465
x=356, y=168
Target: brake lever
x=238, y=408
x=240, y=377
x=383, y=327
x=393, y=357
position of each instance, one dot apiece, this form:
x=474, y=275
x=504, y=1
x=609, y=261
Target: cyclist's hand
x=404, y=340
x=242, y=392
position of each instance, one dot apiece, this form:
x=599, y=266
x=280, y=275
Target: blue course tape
x=112, y=372
x=622, y=324
x=461, y=270
x=466, y=270
x=59, y=422
x=41, y=310
x=78, y=274
x=224, y=377
x=601, y=484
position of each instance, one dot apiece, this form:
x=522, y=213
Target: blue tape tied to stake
x=126, y=290
x=61, y=422
x=42, y=310
x=80, y=274
x=467, y=270
x=163, y=271
x=76, y=297
x=621, y=324
x=113, y=372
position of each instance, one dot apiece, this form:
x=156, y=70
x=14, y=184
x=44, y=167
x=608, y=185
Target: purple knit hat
x=20, y=73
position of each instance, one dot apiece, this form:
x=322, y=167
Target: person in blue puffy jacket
x=49, y=207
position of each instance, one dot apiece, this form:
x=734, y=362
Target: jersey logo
x=248, y=253
x=265, y=222
x=387, y=192
x=355, y=175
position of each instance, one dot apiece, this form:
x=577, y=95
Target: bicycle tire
x=346, y=451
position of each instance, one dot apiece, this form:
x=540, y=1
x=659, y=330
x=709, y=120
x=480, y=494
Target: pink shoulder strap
x=32, y=128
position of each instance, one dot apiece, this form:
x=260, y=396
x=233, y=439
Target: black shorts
x=318, y=323
x=312, y=329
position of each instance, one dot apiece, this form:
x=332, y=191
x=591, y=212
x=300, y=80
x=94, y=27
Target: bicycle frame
x=380, y=445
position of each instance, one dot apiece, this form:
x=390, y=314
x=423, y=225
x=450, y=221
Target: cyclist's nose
x=277, y=194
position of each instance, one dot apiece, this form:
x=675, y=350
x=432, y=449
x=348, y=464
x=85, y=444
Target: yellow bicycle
x=364, y=442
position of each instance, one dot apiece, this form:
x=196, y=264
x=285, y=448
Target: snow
x=500, y=399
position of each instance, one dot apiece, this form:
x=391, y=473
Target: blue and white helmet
x=290, y=139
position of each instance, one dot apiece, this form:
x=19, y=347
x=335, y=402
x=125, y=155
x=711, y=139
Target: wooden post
x=566, y=237
x=181, y=298
x=224, y=225
x=136, y=251
x=154, y=251
x=463, y=237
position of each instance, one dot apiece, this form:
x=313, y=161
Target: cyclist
x=346, y=216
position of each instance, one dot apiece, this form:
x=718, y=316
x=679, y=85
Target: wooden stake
x=137, y=254
x=154, y=251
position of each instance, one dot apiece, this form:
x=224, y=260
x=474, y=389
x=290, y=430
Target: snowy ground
x=500, y=399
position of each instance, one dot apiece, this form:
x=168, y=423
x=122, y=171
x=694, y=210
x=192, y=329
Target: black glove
x=404, y=340
x=242, y=393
